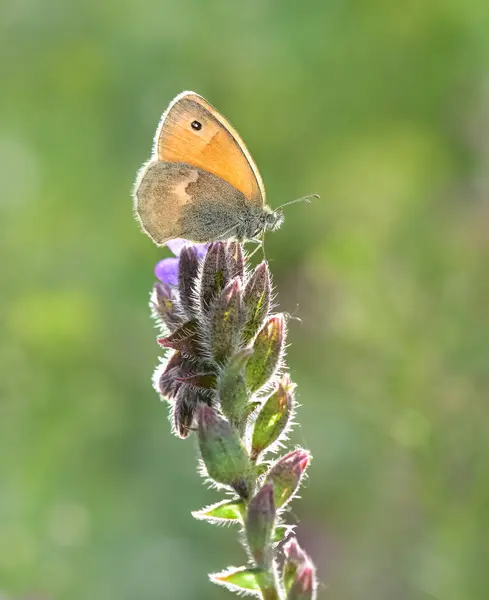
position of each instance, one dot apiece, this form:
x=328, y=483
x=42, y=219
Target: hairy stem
x=269, y=590
x=270, y=594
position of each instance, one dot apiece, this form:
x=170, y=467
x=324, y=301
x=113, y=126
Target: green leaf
x=227, y=511
x=250, y=409
x=239, y=579
x=262, y=468
x=281, y=532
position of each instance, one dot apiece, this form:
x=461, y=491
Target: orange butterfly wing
x=193, y=132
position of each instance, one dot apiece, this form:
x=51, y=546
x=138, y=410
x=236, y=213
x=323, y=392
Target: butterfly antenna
x=293, y=316
x=306, y=199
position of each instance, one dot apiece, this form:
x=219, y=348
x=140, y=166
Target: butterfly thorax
x=258, y=220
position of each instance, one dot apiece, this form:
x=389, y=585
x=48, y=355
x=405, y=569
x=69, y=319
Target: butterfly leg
x=260, y=244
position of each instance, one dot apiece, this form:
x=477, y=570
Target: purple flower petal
x=177, y=244
x=167, y=271
x=201, y=249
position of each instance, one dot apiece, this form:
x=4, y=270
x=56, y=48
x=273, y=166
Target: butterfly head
x=269, y=220
x=273, y=220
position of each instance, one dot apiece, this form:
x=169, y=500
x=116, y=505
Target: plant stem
x=270, y=594
x=269, y=589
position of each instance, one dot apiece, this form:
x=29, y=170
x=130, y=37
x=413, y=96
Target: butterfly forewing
x=193, y=132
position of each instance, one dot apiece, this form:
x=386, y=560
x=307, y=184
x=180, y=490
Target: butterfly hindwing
x=177, y=200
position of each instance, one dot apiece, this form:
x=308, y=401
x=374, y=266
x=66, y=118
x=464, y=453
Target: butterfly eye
x=197, y=125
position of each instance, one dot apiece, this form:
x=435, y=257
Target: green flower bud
x=273, y=418
x=260, y=525
x=286, y=474
x=222, y=451
x=232, y=392
x=226, y=322
x=267, y=353
x=215, y=274
x=256, y=300
x=294, y=556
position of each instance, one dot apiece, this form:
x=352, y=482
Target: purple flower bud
x=226, y=321
x=178, y=244
x=259, y=526
x=267, y=353
x=202, y=381
x=168, y=384
x=215, y=274
x=184, y=339
x=164, y=306
x=299, y=573
x=273, y=417
x=167, y=271
x=187, y=277
x=286, y=474
x=236, y=263
x=184, y=410
x=256, y=300
x=293, y=552
x=222, y=451
x=304, y=586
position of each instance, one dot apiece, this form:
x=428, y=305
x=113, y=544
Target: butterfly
x=201, y=183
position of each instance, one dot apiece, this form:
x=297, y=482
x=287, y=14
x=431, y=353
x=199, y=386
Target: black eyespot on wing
x=197, y=125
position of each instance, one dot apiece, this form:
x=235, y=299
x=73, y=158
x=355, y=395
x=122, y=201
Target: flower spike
x=224, y=351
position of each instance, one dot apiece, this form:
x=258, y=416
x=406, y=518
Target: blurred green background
x=383, y=109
